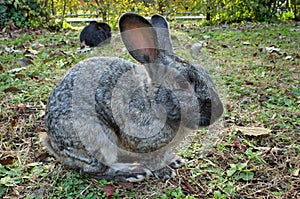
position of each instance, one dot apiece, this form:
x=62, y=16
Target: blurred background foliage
x=52, y=13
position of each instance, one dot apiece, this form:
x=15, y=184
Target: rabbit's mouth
x=217, y=109
x=209, y=111
x=213, y=111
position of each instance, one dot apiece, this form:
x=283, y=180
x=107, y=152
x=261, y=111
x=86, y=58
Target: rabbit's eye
x=182, y=83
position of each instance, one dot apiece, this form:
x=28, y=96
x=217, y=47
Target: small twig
x=81, y=193
x=189, y=187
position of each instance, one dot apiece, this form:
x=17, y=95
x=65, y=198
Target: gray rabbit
x=116, y=120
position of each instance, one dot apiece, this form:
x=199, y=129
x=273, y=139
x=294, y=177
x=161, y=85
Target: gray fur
x=117, y=120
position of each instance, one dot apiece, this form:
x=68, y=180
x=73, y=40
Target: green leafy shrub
x=23, y=13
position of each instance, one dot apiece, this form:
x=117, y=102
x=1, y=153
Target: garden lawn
x=253, y=152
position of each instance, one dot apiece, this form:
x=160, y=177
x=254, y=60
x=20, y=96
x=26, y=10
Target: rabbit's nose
x=217, y=109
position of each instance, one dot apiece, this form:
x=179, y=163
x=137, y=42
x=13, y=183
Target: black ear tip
x=156, y=16
x=159, y=20
x=129, y=15
x=93, y=22
x=133, y=19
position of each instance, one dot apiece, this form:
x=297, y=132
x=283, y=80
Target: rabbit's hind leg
x=73, y=158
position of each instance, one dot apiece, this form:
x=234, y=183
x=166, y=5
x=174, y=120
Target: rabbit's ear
x=162, y=30
x=139, y=37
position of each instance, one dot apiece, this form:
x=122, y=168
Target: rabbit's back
x=59, y=112
x=74, y=120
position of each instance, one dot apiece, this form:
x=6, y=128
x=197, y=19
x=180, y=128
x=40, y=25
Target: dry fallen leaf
x=83, y=50
x=34, y=77
x=253, y=131
x=109, y=190
x=245, y=43
x=247, y=82
x=125, y=185
x=19, y=76
x=273, y=49
x=15, y=70
x=12, y=90
x=31, y=51
x=237, y=143
x=42, y=157
x=37, y=45
x=296, y=172
x=24, y=61
x=21, y=108
x=12, y=50
x=288, y=57
x=7, y=160
x=14, y=121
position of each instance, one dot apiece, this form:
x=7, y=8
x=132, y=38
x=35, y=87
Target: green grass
x=259, y=89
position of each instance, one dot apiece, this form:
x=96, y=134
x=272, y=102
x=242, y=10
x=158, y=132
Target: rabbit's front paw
x=135, y=177
x=120, y=176
x=164, y=173
x=128, y=172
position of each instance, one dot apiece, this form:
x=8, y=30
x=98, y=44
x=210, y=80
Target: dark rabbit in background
x=95, y=34
x=116, y=120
